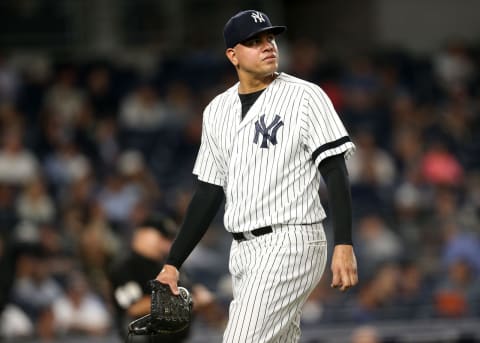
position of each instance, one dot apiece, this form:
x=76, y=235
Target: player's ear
x=230, y=53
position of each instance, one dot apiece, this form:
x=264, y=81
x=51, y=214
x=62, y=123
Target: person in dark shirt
x=150, y=244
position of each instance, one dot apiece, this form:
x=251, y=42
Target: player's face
x=257, y=56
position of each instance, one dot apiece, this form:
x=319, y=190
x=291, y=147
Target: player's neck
x=249, y=84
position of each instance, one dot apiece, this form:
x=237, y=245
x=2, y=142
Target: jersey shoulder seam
x=218, y=99
x=295, y=80
x=309, y=89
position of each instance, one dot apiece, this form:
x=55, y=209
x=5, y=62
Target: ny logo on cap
x=262, y=128
x=258, y=17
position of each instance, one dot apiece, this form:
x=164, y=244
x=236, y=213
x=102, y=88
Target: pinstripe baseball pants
x=272, y=277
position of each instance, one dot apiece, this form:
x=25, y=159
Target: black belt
x=243, y=236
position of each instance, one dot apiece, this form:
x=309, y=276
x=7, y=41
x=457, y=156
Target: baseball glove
x=170, y=313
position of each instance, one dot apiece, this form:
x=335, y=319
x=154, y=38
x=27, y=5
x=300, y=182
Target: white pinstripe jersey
x=267, y=163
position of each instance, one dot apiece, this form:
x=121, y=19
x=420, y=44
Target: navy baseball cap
x=246, y=24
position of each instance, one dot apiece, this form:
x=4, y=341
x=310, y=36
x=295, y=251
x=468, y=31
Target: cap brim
x=276, y=30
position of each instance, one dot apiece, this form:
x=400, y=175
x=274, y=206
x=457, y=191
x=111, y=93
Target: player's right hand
x=169, y=276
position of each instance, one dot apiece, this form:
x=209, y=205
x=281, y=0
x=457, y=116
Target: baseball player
x=266, y=143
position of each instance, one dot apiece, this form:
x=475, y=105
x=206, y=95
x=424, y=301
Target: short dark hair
x=161, y=223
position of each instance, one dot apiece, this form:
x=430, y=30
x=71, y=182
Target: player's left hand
x=344, y=267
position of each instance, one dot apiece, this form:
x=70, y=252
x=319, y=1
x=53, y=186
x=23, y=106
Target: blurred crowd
x=89, y=149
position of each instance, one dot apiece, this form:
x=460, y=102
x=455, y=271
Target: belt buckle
x=248, y=235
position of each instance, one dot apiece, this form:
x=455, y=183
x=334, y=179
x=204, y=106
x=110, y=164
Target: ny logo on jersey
x=258, y=17
x=262, y=128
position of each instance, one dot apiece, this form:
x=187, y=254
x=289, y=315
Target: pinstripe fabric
x=267, y=165
x=272, y=278
x=278, y=184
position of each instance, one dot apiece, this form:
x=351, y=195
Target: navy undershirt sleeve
x=334, y=172
x=202, y=209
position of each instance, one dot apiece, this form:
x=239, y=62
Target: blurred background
x=100, y=120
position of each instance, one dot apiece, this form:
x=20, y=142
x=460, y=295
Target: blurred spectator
x=179, y=204
x=457, y=123
x=79, y=193
x=52, y=133
x=17, y=164
x=375, y=300
x=440, y=221
x=11, y=117
x=9, y=81
x=100, y=93
x=454, y=66
x=390, y=66
x=408, y=150
x=97, y=221
x=143, y=110
x=131, y=165
x=65, y=164
x=8, y=216
x=97, y=246
x=64, y=100
x=26, y=232
x=72, y=223
x=361, y=110
x=15, y=324
x=59, y=257
x=83, y=131
x=179, y=104
x=79, y=311
x=34, y=290
x=446, y=201
x=34, y=203
x=365, y=334
x=377, y=242
x=370, y=164
x=139, y=215
x=108, y=146
x=458, y=293
x=405, y=115
x=409, y=207
x=412, y=291
x=305, y=57
x=440, y=167
x=461, y=245
x=118, y=197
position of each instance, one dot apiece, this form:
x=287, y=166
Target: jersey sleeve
x=207, y=165
x=325, y=134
